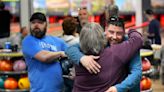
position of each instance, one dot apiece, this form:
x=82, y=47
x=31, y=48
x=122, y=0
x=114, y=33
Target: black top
x=79, y=27
x=154, y=28
x=5, y=17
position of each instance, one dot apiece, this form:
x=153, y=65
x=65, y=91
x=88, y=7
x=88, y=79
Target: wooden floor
x=157, y=86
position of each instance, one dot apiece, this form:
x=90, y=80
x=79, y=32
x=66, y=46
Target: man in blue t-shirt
x=41, y=52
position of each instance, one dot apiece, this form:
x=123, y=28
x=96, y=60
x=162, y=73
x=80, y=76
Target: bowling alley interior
x=144, y=16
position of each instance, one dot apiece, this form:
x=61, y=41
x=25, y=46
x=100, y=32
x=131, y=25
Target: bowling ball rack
x=16, y=90
x=149, y=90
x=15, y=74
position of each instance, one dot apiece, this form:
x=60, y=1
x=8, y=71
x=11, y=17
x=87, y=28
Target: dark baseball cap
x=149, y=12
x=39, y=16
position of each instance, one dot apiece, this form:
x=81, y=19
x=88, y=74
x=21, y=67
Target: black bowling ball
x=66, y=64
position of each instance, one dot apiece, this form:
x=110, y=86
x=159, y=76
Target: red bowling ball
x=11, y=83
x=145, y=83
x=6, y=65
x=145, y=64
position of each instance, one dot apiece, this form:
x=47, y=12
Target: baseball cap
x=149, y=12
x=39, y=16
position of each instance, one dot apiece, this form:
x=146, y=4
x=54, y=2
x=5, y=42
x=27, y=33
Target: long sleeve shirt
x=74, y=53
x=132, y=82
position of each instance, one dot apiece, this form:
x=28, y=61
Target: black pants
x=68, y=85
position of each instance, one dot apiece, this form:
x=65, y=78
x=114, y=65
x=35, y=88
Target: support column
x=26, y=9
x=139, y=15
x=141, y=6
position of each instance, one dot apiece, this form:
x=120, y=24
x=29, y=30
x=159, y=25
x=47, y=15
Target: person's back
x=5, y=17
x=70, y=35
x=153, y=28
x=116, y=55
x=155, y=25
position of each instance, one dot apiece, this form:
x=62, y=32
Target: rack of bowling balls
x=145, y=84
x=13, y=75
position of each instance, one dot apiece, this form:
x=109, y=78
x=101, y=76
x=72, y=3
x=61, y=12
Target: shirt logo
x=48, y=46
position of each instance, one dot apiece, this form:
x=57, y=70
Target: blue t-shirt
x=44, y=77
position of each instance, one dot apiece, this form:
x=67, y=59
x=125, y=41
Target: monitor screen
x=13, y=6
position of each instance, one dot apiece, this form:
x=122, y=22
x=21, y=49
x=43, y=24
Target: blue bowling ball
x=1, y=82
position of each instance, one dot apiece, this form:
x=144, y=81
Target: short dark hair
x=2, y=5
x=117, y=21
x=69, y=25
x=149, y=12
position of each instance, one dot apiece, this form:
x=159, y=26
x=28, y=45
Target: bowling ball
x=6, y=65
x=24, y=83
x=145, y=83
x=10, y=83
x=66, y=64
x=19, y=65
x=145, y=64
x=1, y=82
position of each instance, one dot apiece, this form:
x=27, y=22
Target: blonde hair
x=92, y=39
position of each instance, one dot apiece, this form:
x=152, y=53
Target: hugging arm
x=127, y=49
x=75, y=55
x=133, y=77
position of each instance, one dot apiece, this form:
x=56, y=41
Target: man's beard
x=114, y=41
x=38, y=33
